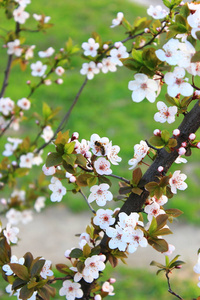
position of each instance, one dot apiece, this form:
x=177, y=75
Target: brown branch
x=90, y=207
x=119, y=177
x=169, y=288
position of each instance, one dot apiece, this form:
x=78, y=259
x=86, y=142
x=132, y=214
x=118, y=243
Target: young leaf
x=20, y=270
x=53, y=159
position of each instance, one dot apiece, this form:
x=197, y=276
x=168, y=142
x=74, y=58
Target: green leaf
x=53, y=159
x=46, y=110
x=62, y=268
x=157, y=142
x=18, y=283
x=153, y=226
x=163, y=231
x=37, y=267
x=185, y=11
x=158, y=244
x=69, y=147
x=69, y=158
x=92, y=181
x=196, y=57
x=161, y=221
x=5, y=251
x=136, y=176
x=86, y=250
x=174, y=212
x=81, y=160
x=28, y=259
x=20, y=270
x=76, y=253
x=25, y=293
x=82, y=180
x=103, y=179
x=137, y=56
x=62, y=138
x=149, y=58
x=165, y=135
x=156, y=264
x=178, y=28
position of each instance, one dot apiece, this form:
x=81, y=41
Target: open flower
x=157, y=12
x=117, y=54
x=140, y=151
x=58, y=190
x=89, y=69
x=14, y=48
x=177, y=182
x=143, y=87
x=170, y=52
x=11, y=234
x=176, y=83
x=165, y=113
x=46, y=271
x=90, y=48
x=100, y=194
x=118, y=20
x=71, y=290
x=102, y=166
x=38, y=69
x=194, y=22
x=20, y=15
x=46, y=53
x=104, y=218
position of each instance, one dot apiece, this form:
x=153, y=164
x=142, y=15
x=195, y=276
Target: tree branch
x=169, y=287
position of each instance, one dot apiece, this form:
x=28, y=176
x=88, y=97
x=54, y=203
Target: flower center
x=143, y=86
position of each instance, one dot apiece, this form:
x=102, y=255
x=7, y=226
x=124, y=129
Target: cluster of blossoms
x=45, y=273
x=153, y=206
x=109, y=63
x=127, y=234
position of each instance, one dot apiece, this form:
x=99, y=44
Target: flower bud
x=184, y=144
x=176, y=132
x=192, y=136
x=105, y=46
x=181, y=151
x=112, y=280
x=97, y=297
x=28, y=82
x=75, y=136
x=160, y=169
x=157, y=132
x=72, y=179
x=99, y=65
x=59, y=81
x=198, y=145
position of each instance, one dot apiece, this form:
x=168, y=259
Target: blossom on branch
x=90, y=48
x=58, y=190
x=165, y=113
x=119, y=53
x=157, y=12
x=38, y=69
x=20, y=15
x=102, y=166
x=100, y=194
x=6, y=106
x=140, y=151
x=143, y=87
x=71, y=290
x=177, y=182
x=176, y=83
x=11, y=234
x=47, y=134
x=103, y=218
x=46, y=271
x=89, y=69
x=47, y=53
x=118, y=20
x=14, y=48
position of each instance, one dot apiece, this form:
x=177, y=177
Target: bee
x=100, y=147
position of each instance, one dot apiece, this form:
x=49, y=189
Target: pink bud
x=67, y=253
x=61, y=49
x=176, y=132
x=75, y=136
x=37, y=122
x=181, y=151
x=192, y=136
x=3, y=201
x=28, y=82
x=97, y=297
x=112, y=280
x=102, y=257
x=157, y=132
x=72, y=179
x=14, y=163
x=88, y=154
x=160, y=169
x=59, y=81
x=117, y=44
x=105, y=46
x=198, y=145
x=146, y=30
x=184, y=144
x=178, y=267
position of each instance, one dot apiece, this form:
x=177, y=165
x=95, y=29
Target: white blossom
x=43, y=18
x=177, y=182
x=117, y=21
x=20, y=15
x=46, y=271
x=108, y=65
x=47, y=134
x=153, y=210
x=102, y=166
x=89, y=69
x=71, y=290
x=143, y=87
x=108, y=288
x=170, y=52
x=14, y=48
x=38, y=69
x=140, y=151
x=39, y=203
x=6, y=106
x=176, y=83
x=93, y=265
x=59, y=71
x=14, y=216
x=165, y=113
x=117, y=54
x=24, y=103
x=90, y=48
x=11, y=234
x=58, y=190
x=26, y=160
x=13, y=260
x=47, y=53
x=23, y=3
x=116, y=240
x=157, y=12
x=194, y=22
x=100, y=194
x=29, y=52
x=48, y=171
x=112, y=154
x=104, y=218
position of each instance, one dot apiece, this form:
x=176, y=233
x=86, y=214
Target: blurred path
x=53, y=231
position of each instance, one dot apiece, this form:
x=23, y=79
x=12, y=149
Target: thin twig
x=169, y=288
x=119, y=177
x=66, y=116
x=7, y=72
x=7, y=126
x=80, y=191
x=59, y=278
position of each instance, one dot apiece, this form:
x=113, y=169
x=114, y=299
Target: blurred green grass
x=137, y=284
x=105, y=106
